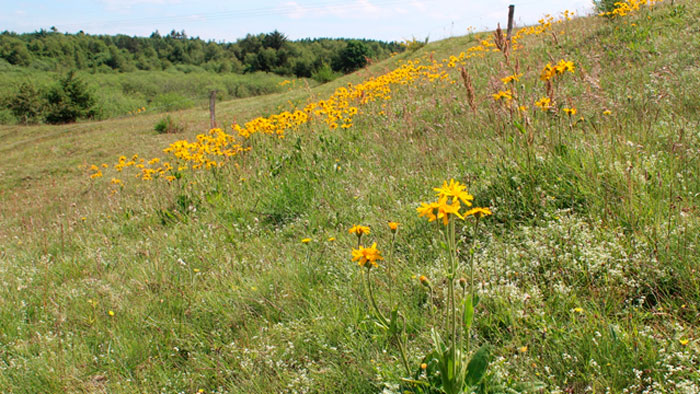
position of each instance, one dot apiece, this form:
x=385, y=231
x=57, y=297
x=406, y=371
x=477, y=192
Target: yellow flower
x=359, y=230
x=367, y=255
x=548, y=72
x=111, y=313
x=684, y=341
x=393, y=226
x=564, y=66
x=607, y=112
x=478, y=212
x=444, y=210
x=578, y=310
x=544, y=103
x=570, y=111
x=116, y=181
x=306, y=240
x=96, y=175
x=522, y=349
x=428, y=210
x=331, y=239
x=455, y=190
x=507, y=95
x=424, y=366
x=511, y=78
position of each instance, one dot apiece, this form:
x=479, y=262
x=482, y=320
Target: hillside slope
x=587, y=270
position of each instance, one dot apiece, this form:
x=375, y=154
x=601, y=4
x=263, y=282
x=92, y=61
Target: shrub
x=168, y=126
x=604, y=5
x=28, y=104
x=324, y=74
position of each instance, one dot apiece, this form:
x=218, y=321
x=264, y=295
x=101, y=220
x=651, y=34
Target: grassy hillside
x=587, y=271
x=126, y=94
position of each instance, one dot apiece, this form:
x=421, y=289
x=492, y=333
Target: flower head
x=306, y=240
x=544, y=103
x=367, y=255
x=478, y=212
x=359, y=230
x=445, y=210
x=393, y=226
x=570, y=111
x=455, y=190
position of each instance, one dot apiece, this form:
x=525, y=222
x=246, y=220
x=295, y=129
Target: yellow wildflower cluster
x=339, y=109
x=550, y=71
x=137, y=111
x=626, y=7
x=206, y=150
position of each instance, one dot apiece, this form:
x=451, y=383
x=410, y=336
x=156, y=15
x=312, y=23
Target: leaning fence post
x=511, y=12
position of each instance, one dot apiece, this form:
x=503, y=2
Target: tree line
x=50, y=50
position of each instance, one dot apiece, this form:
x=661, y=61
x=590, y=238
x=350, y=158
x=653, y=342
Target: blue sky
x=229, y=20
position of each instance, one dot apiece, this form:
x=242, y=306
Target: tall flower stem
x=387, y=324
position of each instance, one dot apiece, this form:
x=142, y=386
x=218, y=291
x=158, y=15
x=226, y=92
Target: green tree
x=69, y=101
x=352, y=57
x=28, y=104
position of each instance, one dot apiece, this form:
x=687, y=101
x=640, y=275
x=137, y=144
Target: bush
x=168, y=126
x=28, y=104
x=324, y=74
x=605, y=5
x=69, y=101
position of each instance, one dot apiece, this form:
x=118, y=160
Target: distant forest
x=50, y=50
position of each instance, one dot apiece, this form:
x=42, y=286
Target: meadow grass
x=587, y=270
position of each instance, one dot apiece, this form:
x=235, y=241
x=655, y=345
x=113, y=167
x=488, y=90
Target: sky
x=229, y=20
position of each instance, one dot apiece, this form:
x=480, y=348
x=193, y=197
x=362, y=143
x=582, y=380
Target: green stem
x=378, y=313
x=402, y=347
x=391, y=272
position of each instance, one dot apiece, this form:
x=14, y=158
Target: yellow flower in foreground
x=684, y=341
x=478, y=212
x=111, y=313
x=607, y=112
x=359, y=230
x=455, y=190
x=393, y=226
x=445, y=210
x=306, y=240
x=428, y=210
x=116, y=181
x=331, y=239
x=367, y=255
x=578, y=310
x=523, y=349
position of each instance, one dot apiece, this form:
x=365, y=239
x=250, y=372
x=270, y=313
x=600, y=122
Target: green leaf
x=478, y=365
x=468, y=309
x=519, y=126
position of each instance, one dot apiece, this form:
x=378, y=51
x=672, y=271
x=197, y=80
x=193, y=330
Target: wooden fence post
x=511, y=12
x=212, y=109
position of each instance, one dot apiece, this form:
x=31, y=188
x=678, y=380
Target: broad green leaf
x=478, y=365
